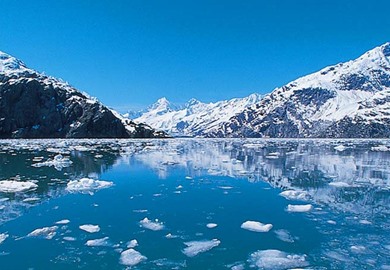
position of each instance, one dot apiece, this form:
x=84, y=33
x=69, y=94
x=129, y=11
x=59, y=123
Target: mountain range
x=34, y=105
x=348, y=100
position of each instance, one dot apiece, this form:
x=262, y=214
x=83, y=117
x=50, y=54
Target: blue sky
x=130, y=53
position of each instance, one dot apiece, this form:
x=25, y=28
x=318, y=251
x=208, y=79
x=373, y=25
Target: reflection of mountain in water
x=356, y=179
x=17, y=158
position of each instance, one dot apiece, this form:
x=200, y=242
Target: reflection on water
x=348, y=182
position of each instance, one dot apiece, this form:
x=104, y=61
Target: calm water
x=344, y=187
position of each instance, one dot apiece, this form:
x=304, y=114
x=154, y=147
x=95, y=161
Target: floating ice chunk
x=45, y=232
x=171, y=236
x=132, y=243
x=299, y=208
x=358, y=249
x=295, y=195
x=332, y=222
x=284, y=236
x=256, y=226
x=3, y=236
x=87, y=185
x=195, y=247
x=275, y=260
x=365, y=222
x=90, y=228
x=188, y=177
x=58, y=162
x=225, y=187
x=380, y=148
x=152, y=225
x=131, y=257
x=340, y=148
x=32, y=199
x=69, y=239
x=10, y=186
x=101, y=242
x=63, y=222
x=211, y=225
x=339, y=184
x=239, y=266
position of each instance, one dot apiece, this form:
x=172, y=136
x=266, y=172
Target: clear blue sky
x=129, y=53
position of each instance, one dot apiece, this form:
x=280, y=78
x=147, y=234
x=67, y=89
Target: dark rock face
x=33, y=105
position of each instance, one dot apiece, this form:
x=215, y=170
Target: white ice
x=211, y=225
x=58, y=162
x=87, y=185
x=284, y=236
x=63, y=222
x=132, y=243
x=299, y=208
x=276, y=260
x=90, y=228
x=195, y=247
x=131, y=257
x=3, y=236
x=294, y=195
x=10, y=186
x=101, y=242
x=256, y=226
x=151, y=225
x=45, y=232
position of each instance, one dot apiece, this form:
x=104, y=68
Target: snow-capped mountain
x=195, y=118
x=349, y=99
x=33, y=105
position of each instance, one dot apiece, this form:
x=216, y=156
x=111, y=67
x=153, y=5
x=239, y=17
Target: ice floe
x=58, y=162
x=284, y=236
x=45, y=232
x=340, y=148
x=295, y=195
x=155, y=225
x=87, y=185
x=256, y=226
x=276, y=260
x=131, y=257
x=69, y=239
x=195, y=247
x=3, y=236
x=299, y=208
x=101, y=242
x=90, y=228
x=211, y=225
x=63, y=222
x=10, y=186
x=132, y=243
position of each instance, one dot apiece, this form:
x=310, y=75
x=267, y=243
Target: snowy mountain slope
x=194, y=118
x=345, y=100
x=33, y=105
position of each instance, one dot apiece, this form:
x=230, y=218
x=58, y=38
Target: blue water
x=188, y=183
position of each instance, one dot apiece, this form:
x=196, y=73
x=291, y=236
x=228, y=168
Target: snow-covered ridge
x=344, y=100
x=59, y=110
x=195, y=118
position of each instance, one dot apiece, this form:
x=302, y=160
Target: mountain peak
x=386, y=49
x=9, y=63
x=192, y=102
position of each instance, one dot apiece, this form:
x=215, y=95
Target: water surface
x=184, y=202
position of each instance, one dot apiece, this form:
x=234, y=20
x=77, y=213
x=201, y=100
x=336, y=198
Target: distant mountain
x=195, y=118
x=33, y=105
x=347, y=100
